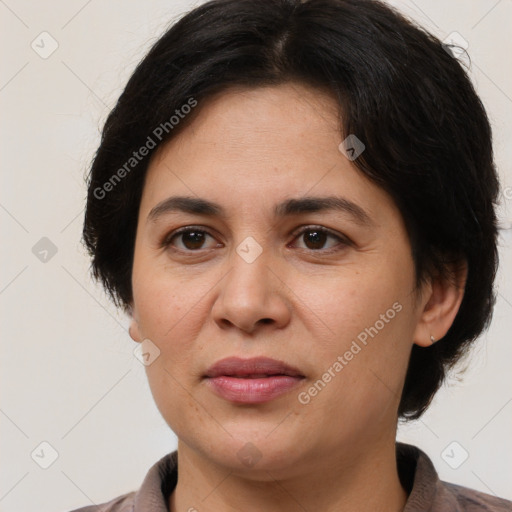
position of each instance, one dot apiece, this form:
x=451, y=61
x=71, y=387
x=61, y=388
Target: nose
x=252, y=295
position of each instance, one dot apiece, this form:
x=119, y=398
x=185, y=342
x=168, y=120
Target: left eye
x=191, y=239
x=315, y=238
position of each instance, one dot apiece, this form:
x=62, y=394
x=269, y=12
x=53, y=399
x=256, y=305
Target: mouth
x=251, y=381
x=254, y=368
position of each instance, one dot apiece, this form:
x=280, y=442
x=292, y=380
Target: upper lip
x=256, y=366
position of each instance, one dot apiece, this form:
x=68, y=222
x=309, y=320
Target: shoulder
x=428, y=492
x=153, y=494
x=469, y=500
x=123, y=503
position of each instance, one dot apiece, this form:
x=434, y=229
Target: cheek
x=339, y=306
x=173, y=398
x=164, y=302
x=167, y=313
x=366, y=317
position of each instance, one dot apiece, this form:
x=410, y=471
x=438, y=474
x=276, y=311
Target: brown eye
x=193, y=239
x=315, y=239
x=189, y=239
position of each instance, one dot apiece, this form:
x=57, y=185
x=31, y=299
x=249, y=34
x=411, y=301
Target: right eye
x=191, y=239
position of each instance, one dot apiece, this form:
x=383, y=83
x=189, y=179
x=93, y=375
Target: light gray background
x=67, y=370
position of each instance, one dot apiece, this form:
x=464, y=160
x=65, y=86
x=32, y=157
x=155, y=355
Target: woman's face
x=326, y=289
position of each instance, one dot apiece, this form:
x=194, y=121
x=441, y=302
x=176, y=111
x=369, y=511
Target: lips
x=251, y=381
x=251, y=368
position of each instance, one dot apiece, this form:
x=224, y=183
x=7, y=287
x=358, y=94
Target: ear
x=134, y=328
x=440, y=304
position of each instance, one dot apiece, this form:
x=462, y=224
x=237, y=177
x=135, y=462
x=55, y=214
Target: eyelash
x=343, y=241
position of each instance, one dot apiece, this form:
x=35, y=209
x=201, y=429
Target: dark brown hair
x=401, y=92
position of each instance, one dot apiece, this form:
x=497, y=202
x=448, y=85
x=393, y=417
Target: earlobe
x=441, y=307
x=134, y=330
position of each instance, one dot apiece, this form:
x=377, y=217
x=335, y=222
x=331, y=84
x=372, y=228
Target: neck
x=365, y=480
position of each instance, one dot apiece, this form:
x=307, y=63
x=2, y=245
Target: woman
x=294, y=202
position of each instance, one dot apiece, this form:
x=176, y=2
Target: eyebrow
x=289, y=207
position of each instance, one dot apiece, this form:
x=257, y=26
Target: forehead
x=268, y=142
x=241, y=121
x=259, y=106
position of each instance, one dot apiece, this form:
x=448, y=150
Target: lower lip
x=252, y=391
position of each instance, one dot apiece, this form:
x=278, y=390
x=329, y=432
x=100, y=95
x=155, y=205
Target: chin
x=253, y=453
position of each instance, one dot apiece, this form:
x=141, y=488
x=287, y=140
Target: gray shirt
x=417, y=475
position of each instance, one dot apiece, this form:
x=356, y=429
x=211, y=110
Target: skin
x=298, y=302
